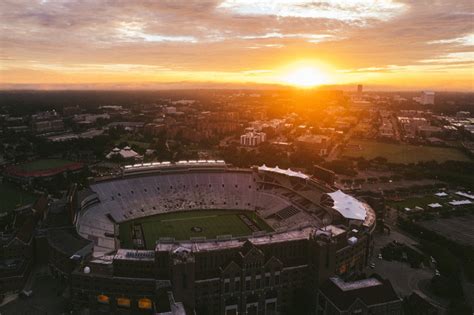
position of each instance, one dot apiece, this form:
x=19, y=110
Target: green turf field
x=179, y=225
x=46, y=164
x=404, y=153
x=12, y=197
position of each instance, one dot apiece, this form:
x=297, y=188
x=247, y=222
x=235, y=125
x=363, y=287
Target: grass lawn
x=45, y=164
x=403, y=153
x=12, y=197
x=179, y=225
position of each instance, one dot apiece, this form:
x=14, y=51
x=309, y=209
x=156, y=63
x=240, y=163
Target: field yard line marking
x=190, y=218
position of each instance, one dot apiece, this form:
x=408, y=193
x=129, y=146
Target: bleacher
x=287, y=212
x=130, y=198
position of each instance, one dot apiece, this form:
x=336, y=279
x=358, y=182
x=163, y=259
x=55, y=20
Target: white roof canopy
x=348, y=206
x=463, y=194
x=287, y=172
x=460, y=202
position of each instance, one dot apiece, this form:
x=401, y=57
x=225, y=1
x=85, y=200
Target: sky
x=390, y=44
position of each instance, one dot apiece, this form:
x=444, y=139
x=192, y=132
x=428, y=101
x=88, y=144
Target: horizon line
x=170, y=86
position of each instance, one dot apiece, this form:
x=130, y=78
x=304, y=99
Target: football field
x=45, y=164
x=195, y=223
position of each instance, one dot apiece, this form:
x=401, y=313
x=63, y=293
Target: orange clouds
x=403, y=44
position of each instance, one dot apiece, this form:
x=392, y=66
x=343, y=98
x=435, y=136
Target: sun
x=305, y=77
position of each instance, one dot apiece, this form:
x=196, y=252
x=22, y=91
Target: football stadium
x=218, y=239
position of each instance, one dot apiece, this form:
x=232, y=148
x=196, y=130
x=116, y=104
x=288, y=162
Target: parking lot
x=404, y=278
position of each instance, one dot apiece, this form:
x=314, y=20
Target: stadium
x=40, y=169
x=219, y=239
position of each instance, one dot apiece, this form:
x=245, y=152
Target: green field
x=403, y=153
x=179, y=225
x=40, y=165
x=12, y=197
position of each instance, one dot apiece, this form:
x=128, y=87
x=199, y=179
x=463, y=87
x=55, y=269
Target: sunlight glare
x=305, y=77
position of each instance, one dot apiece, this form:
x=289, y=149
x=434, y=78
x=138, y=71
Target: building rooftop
x=133, y=254
x=347, y=286
x=67, y=241
x=371, y=291
x=348, y=206
x=196, y=246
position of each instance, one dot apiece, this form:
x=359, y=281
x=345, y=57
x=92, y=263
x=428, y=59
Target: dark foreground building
x=17, y=245
x=373, y=296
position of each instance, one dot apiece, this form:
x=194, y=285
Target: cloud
x=226, y=37
x=467, y=40
x=354, y=10
x=312, y=38
x=133, y=31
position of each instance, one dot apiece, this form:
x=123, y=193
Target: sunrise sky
x=397, y=44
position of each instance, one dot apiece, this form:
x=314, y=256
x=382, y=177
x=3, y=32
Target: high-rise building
x=427, y=98
x=360, y=88
x=252, y=138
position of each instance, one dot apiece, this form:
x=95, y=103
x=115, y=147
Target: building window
x=145, y=304
x=252, y=309
x=237, y=285
x=103, y=299
x=123, y=302
x=185, y=283
x=271, y=307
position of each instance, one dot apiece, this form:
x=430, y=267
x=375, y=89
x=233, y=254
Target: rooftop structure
x=466, y=195
x=125, y=153
x=367, y=296
x=348, y=206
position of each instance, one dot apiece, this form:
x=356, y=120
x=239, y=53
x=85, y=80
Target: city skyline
x=394, y=45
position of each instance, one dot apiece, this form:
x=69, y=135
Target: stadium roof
x=172, y=164
x=287, y=172
x=348, y=206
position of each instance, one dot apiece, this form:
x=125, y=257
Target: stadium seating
x=278, y=201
